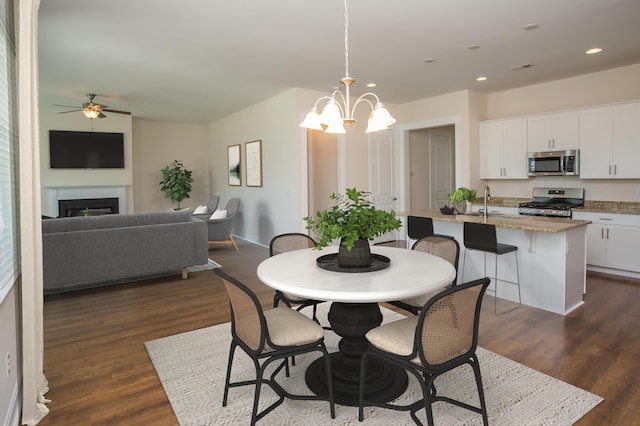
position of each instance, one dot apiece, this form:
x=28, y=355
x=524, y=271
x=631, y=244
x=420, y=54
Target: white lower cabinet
x=613, y=241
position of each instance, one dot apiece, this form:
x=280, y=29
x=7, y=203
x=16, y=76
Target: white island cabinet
x=613, y=242
x=551, y=257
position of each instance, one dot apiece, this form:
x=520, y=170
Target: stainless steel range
x=556, y=202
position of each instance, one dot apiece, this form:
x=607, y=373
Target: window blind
x=9, y=201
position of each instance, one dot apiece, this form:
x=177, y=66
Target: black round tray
x=330, y=263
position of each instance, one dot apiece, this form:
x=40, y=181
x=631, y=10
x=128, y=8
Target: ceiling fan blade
x=116, y=111
x=64, y=112
x=101, y=115
x=66, y=106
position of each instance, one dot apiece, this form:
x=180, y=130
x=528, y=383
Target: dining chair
x=443, y=337
x=442, y=246
x=483, y=237
x=288, y=242
x=268, y=336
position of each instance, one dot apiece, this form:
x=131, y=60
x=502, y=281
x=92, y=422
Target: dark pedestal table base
x=384, y=382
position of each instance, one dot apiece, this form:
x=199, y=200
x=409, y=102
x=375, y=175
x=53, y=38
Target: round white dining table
x=355, y=310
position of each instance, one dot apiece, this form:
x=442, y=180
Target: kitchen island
x=551, y=257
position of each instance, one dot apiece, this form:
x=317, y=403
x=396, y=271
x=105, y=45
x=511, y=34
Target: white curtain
x=34, y=383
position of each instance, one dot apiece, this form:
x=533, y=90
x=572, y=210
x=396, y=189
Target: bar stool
x=418, y=227
x=482, y=237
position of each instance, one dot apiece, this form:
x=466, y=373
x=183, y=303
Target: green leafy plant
x=176, y=182
x=352, y=218
x=463, y=194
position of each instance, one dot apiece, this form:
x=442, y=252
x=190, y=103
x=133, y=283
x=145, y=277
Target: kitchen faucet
x=487, y=196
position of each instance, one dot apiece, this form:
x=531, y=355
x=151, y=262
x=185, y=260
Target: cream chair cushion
x=395, y=337
x=291, y=328
x=419, y=301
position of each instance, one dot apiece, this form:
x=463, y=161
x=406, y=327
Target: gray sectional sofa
x=83, y=252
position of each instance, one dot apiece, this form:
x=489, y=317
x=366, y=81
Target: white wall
x=617, y=85
x=275, y=207
x=155, y=145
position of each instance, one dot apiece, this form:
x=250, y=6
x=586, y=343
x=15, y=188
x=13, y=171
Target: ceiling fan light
x=90, y=112
x=331, y=114
x=380, y=114
x=337, y=128
x=312, y=120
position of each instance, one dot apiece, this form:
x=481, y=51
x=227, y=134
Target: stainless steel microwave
x=554, y=163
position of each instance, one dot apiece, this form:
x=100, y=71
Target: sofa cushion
x=82, y=223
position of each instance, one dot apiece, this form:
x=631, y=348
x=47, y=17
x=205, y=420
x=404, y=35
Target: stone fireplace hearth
x=100, y=199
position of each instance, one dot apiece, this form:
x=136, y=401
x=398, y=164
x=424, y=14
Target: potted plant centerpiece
x=461, y=197
x=176, y=182
x=355, y=221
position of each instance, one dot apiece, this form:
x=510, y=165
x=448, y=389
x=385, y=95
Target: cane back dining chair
x=442, y=246
x=288, y=242
x=443, y=337
x=268, y=336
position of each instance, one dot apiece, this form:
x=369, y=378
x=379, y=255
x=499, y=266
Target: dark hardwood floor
x=99, y=372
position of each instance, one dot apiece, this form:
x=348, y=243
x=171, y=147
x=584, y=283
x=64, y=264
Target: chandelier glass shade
x=337, y=114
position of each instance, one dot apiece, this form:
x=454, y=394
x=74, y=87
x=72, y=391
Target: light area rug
x=204, y=267
x=192, y=368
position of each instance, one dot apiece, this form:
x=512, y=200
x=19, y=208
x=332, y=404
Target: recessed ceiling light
x=481, y=78
x=473, y=47
x=593, y=51
x=530, y=27
x=371, y=85
x=429, y=60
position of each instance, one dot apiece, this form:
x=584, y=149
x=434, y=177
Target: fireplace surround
x=53, y=195
x=88, y=207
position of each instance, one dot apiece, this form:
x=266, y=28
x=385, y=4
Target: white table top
x=411, y=273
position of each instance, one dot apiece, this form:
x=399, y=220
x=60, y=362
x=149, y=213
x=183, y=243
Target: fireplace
x=88, y=207
x=53, y=195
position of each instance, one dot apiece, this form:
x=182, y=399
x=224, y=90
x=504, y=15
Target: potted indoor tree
x=176, y=182
x=461, y=197
x=355, y=221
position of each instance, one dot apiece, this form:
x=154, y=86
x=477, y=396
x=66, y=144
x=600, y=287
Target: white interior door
x=382, y=174
x=441, y=164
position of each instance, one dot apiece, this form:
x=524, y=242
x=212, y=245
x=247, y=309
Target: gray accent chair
x=219, y=230
x=212, y=205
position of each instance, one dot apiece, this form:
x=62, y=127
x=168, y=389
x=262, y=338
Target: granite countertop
x=527, y=223
x=613, y=207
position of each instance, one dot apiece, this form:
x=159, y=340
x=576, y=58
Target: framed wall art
x=233, y=160
x=253, y=156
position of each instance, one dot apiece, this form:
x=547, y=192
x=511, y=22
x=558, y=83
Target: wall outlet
x=8, y=364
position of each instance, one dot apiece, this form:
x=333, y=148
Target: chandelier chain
x=346, y=39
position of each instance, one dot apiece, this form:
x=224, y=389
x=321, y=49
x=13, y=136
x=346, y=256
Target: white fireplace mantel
x=54, y=194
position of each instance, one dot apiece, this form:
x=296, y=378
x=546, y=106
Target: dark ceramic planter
x=358, y=257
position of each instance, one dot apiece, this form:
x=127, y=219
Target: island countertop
x=513, y=221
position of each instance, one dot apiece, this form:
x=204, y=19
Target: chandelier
x=337, y=114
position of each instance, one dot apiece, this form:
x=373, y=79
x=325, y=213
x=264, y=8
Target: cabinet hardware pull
x=604, y=218
x=602, y=234
x=609, y=169
x=615, y=169
x=607, y=233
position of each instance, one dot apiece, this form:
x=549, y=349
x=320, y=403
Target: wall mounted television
x=86, y=150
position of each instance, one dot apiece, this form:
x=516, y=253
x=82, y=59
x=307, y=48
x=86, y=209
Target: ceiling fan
x=93, y=110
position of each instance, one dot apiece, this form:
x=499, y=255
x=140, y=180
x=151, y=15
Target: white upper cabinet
x=610, y=142
x=553, y=132
x=503, y=149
